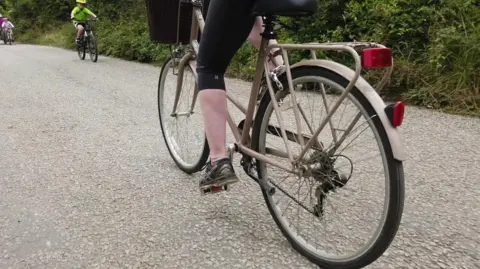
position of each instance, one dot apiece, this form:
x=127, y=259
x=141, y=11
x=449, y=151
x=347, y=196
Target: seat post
x=269, y=32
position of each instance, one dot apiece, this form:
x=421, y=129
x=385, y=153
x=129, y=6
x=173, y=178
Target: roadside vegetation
x=435, y=42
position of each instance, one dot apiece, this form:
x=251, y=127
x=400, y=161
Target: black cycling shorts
x=78, y=23
x=227, y=26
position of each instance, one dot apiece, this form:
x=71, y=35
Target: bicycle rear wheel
x=182, y=128
x=92, y=48
x=329, y=175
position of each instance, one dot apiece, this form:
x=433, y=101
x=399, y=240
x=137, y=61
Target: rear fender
x=370, y=94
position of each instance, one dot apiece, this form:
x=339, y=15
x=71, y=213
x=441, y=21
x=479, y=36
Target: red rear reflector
x=215, y=189
x=398, y=114
x=395, y=113
x=376, y=58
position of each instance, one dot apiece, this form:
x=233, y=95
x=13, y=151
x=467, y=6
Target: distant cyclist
x=2, y=19
x=7, y=27
x=79, y=15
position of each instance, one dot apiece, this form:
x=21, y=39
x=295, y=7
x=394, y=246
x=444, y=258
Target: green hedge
x=434, y=42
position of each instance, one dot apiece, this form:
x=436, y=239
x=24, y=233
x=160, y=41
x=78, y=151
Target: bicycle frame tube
x=181, y=67
x=243, y=138
x=342, y=97
x=254, y=92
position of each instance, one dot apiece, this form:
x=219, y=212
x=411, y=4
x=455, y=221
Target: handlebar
x=87, y=20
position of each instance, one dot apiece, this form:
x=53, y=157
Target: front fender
x=370, y=94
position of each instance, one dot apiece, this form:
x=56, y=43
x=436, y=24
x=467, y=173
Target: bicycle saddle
x=287, y=8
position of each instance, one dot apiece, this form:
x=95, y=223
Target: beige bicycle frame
x=242, y=139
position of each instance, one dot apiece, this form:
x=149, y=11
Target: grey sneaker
x=219, y=174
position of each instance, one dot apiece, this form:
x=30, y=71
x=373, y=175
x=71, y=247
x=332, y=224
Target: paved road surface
x=86, y=181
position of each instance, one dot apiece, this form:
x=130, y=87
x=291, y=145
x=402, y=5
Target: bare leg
x=214, y=103
x=220, y=171
x=214, y=108
x=79, y=31
x=255, y=38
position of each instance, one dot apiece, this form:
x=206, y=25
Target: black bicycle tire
x=206, y=149
x=395, y=170
x=94, y=40
x=81, y=51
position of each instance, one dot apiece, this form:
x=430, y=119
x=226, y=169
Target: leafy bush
x=434, y=41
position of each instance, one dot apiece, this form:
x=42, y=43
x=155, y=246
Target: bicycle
x=88, y=41
x=8, y=36
x=313, y=163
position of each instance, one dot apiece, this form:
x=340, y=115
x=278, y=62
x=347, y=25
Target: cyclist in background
x=2, y=18
x=79, y=15
x=7, y=27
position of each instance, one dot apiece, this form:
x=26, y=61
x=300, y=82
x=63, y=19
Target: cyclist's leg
x=80, y=29
x=255, y=38
x=75, y=25
x=227, y=26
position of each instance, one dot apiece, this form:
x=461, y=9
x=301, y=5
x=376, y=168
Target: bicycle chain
x=293, y=198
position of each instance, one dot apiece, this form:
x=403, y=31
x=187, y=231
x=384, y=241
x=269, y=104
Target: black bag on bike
x=169, y=21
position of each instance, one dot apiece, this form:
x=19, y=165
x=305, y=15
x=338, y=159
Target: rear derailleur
x=323, y=171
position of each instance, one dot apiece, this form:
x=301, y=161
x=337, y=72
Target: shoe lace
x=205, y=165
x=218, y=163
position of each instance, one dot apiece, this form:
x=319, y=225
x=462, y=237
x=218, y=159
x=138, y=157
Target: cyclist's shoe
x=78, y=42
x=218, y=176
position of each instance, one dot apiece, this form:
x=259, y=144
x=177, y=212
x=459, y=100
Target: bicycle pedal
x=214, y=189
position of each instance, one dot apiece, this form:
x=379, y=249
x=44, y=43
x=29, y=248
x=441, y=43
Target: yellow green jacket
x=80, y=14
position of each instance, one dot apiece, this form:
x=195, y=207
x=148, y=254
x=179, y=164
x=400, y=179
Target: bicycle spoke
x=333, y=192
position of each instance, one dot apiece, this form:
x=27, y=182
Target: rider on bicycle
x=7, y=25
x=79, y=15
x=2, y=19
x=227, y=26
x=7, y=28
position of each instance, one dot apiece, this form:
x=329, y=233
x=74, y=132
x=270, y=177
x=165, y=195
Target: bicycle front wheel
x=81, y=51
x=92, y=48
x=182, y=126
x=349, y=181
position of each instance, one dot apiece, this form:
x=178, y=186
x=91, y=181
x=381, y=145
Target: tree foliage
x=434, y=41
